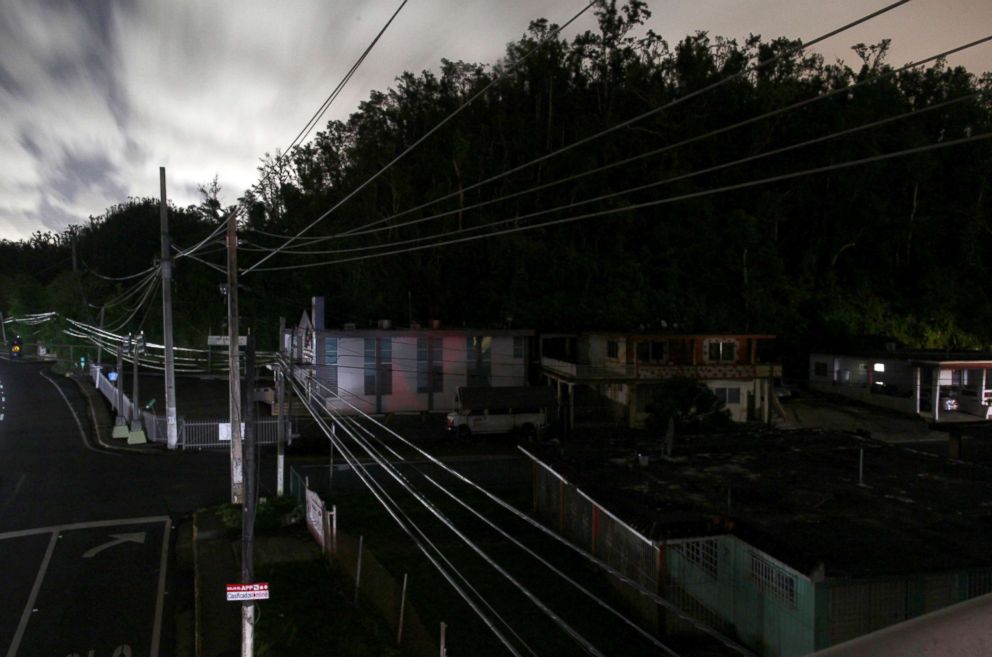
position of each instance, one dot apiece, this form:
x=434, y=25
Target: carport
x=966, y=381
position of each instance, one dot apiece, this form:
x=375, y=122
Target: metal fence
x=587, y=524
x=206, y=434
x=375, y=585
x=192, y=434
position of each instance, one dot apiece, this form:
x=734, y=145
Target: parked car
x=500, y=410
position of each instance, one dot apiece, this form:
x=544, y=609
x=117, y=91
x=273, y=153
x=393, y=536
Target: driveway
x=835, y=414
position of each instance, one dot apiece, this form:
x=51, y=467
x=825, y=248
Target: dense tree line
x=898, y=248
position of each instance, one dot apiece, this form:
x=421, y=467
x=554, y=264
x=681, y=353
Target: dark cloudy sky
x=95, y=95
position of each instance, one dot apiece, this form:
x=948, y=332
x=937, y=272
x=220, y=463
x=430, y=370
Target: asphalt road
x=85, y=534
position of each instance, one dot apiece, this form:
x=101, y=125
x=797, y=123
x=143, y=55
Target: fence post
x=444, y=649
x=358, y=569
x=325, y=529
x=399, y=631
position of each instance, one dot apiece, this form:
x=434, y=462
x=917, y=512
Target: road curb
x=102, y=428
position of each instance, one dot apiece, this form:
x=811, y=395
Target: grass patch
x=270, y=514
x=310, y=614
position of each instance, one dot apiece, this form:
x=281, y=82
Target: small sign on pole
x=240, y=592
x=225, y=340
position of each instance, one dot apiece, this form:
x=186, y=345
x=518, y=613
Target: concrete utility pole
x=3, y=329
x=248, y=509
x=120, y=422
x=281, y=416
x=234, y=361
x=171, y=427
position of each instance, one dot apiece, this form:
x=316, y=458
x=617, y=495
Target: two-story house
x=396, y=370
x=625, y=368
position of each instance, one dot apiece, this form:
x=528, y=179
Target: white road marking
x=28, y=609
x=118, y=539
x=160, y=603
x=55, y=530
x=147, y=520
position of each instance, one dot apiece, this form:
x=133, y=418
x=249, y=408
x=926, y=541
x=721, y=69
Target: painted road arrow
x=136, y=537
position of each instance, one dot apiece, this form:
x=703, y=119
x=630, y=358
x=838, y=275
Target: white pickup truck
x=501, y=410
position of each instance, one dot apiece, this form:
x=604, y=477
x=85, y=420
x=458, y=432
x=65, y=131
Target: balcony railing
x=657, y=371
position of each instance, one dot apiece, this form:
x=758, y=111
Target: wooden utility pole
x=234, y=361
x=99, y=345
x=248, y=508
x=281, y=415
x=171, y=423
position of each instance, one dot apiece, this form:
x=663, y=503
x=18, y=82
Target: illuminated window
x=878, y=367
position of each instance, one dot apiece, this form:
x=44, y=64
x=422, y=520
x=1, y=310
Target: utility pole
x=248, y=508
x=3, y=329
x=137, y=434
x=234, y=362
x=120, y=422
x=99, y=345
x=171, y=428
x=280, y=404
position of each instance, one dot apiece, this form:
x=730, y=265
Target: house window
x=612, y=349
x=378, y=366
x=643, y=352
x=703, y=553
x=658, y=352
x=772, y=579
x=722, y=351
x=819, y=368
x=430, y=365
x=478, y=360
x=728, y=395
x=330, y=372
x=519, y=346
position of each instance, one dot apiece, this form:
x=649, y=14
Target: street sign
x=224, y=431
x=256, y=591
x=112, y=376
x=225, y=340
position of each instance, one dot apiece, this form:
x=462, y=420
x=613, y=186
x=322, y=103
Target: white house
x=936, y=385
x=397, y=370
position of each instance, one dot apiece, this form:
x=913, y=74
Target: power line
x=625, y=161
x=785, y=53
x=407, y=527
x=646, y=204
x=665, y=181
x=430, y=132
x=651, y=595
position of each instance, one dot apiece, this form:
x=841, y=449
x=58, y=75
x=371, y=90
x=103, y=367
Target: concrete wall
x=771, y=607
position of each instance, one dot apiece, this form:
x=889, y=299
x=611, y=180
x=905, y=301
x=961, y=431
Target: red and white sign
x=257, y=591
